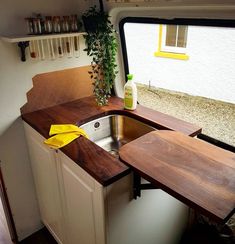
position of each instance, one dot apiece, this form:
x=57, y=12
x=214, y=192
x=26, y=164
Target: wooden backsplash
x=58, y=87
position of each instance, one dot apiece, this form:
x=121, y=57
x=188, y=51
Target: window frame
x=177, y=21
x=166, y=48
x=169, y=52
x=174, y=21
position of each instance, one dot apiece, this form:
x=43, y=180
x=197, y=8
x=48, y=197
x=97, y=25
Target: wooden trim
x=7, y=209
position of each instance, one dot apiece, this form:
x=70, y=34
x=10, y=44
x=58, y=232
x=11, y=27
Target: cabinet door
x=44, y=167
x=83, y=204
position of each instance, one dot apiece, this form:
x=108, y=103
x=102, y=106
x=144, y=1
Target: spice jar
x=48, y=24
x=68, y=47
x=32, y=49
x=35, y=26
x=65, y=24
x=76, y=46
x=50, y=48
x=37, y=29
x=60, y=48
x=56, y=24
x=29, y=22
x=74, y=23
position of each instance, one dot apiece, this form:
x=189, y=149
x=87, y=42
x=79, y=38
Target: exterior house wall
x=209, y=71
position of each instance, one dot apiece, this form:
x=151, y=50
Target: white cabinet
x=44, y=167
x=70, y=200
x=83, y=204
x=78, y=210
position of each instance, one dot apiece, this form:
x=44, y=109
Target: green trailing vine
x=101, y=45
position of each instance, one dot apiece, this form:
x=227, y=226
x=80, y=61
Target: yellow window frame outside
x=160, y=53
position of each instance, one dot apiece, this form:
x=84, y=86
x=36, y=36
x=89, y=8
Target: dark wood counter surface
x=96, y=161
x=195, y=172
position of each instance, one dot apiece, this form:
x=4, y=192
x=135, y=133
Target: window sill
x=171, y=55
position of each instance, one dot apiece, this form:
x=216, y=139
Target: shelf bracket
x=23, y=45
x=137, y=186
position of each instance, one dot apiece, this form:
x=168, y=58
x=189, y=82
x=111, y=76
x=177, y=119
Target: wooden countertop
x=195, y=172
x=96, y=161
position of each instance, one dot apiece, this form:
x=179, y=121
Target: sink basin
x=113, y=131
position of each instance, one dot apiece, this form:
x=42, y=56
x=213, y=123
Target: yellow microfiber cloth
x=63, y=135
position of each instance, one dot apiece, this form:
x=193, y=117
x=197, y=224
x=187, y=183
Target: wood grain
x=99, y=163
x=197, y=173
x=53, y=88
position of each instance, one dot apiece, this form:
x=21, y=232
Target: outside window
x=174, y=38
x=199, y=90
x=172, y=41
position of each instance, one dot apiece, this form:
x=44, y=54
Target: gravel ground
x=215, y=117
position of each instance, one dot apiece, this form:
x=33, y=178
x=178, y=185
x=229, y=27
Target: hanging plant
x=102, y=47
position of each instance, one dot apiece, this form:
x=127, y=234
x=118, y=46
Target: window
x=174, y=38
x=172, y=41
x=200, y=90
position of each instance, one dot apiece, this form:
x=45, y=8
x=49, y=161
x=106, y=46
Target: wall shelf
x=24, y=41
x=15, y=39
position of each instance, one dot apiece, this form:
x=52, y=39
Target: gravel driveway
x=215, y=117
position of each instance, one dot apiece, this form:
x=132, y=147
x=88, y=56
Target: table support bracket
x=137, y=186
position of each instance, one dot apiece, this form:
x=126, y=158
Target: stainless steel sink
x=113, y=131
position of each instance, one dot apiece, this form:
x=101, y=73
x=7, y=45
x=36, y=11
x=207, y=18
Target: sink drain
x=114, y=153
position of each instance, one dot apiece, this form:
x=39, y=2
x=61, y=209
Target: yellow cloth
x=63, y=135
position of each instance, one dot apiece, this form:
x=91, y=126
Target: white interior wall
x=15, y=81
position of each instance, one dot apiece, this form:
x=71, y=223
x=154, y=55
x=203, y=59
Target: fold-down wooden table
x=193, y=171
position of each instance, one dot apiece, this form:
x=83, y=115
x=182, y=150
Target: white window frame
x=165, y=48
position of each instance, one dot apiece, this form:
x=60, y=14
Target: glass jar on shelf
x=37, y=29
x=29, y=22
x=74, y=23
x=56, y=24
x=65, y=24
x=48, y=25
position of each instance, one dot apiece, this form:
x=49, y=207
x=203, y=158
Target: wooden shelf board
x=15, y=39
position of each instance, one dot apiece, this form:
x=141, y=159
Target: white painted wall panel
x=15, y=81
